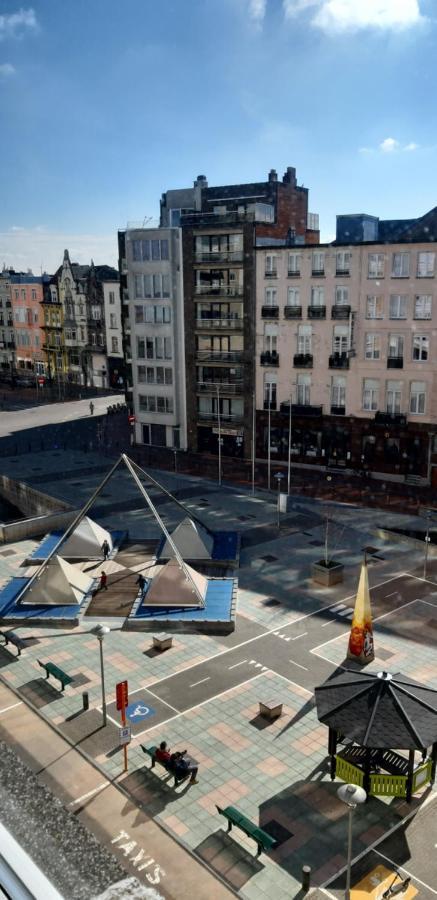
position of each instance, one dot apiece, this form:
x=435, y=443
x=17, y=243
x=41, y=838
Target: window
x=100, y=340
x=175, y=221
x=271, y=265
x=270, y=391
x=141, y=348
x=318, y=263
x=372, y=348
x=271, y=297
x=395, y=346
x=338, y=390
x=394, y=397
x=304, y=336
x=33, y=294
x=341, y=295
x=293, y=296
x=114, y=344
x=270, y=338
x=420, y=347
x=166, y=285
x=417, y=397
x=112, y=320
x=138, y=286
x=375, y=265
x=157, y=286
x=96, y=313
x=425, y=264
x=152, y=375
x=111, y=297
x=93, y=339
x=150, y=403
x=139, y=314
x=82, y=333
x=317, y=296
x=164, y=249
x=423, y=307
x=398, y=306
x=370, y=394
x=374, y=308
x=340, y=339
x=342, y=262
x=400, y=266
x=294, y=261
x=23, y=294
x=303, y=389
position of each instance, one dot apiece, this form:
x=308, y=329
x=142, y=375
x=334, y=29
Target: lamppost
x=289, y=448
x=219, y=438
x=427, y=543
x=352, y=796
x=269, y=446
x=279, y=476
x=99, y=632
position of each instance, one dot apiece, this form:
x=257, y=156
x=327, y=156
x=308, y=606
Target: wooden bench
x=11, y=637
x=234, y=817
x=150, y=751
x=51, y=669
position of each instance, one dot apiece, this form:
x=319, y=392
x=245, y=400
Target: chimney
x=201, y=181
x=290, y=176
x=273, y=175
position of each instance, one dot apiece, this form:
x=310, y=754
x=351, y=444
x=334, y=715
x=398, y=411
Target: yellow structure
x=376, y=882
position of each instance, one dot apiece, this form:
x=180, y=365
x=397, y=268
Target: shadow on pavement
x=229, y=859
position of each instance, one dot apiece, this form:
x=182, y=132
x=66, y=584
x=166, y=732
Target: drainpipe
x=431, y=437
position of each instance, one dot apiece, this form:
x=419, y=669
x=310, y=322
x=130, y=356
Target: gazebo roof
x=379, y=711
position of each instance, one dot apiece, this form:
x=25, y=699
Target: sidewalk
x=139, y=845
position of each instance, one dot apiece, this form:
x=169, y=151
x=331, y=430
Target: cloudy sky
x=105, y=104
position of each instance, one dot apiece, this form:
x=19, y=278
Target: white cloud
x=6, y=69
x=36, y=248
x=257, y=11
x=389, y=145
x=16, y=24
x=354, y=15
x=412, y=146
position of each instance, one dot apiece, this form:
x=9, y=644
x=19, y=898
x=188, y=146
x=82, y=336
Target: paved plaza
x=203, y=694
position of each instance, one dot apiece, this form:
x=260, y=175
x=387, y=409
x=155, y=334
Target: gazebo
x=374, y=716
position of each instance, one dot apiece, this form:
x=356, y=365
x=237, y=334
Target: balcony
x=269, y=359
x=316, y=312
x=218, y=290
x=339, y=361
x=220, y=356
x=270, y=312
x=388, y=418
x=223, y=387
x=272, y=273
x=218, y=256
x=225, y=418
x=395, y=362
x=318, y=273
x=338, y=410
x=303, y=360
x=292, y=312
x=293, y=273
x=301, y=409
x=220, y=324
x=340, y=311
x=342, y=273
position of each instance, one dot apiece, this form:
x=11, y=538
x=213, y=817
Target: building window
x=370, y=394
x=271, y=268
x=139, y=314
x=372, y=346
x=114, y=344
x=175, y=218
x=111, y=297
x=340, y=339
x=425, y=264
x=341, y=295
x=143, y=251
x=270, y=338
x=317, y=296
x=294, y=262
x=138, y=287
x=304, y=339
x=400, y=267
x=318, y=263
x=271, y=297
x=398, y=306
x=423, y=307
x=394, y=397
x=33, y=294
x=338, y=390
x=420, y=347
x=395, y=346
x=293, y=296
x=150, y=403
x=375, y=267
x=303, y=389
x=417, y=397
x=112, y=320
x=342, y=262
x=269, y=391
x=164, y=249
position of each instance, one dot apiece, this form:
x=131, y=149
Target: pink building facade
x=28, y=318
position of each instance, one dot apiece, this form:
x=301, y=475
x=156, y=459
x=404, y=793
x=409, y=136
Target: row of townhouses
x=238, y=322
x=65, y=327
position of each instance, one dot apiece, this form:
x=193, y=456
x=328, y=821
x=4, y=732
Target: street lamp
x=219, y=438
x=352, y=796
x=427, y=543
x=279, y=476
x=99, y=632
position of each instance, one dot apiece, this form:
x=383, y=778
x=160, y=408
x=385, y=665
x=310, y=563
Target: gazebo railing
x=348, y=772
x=383, y=785
x=422, y=775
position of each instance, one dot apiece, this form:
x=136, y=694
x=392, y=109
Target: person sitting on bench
x=183, y=767
x=163, y=755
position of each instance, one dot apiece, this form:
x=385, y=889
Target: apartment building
x=28, y=320
x=7, y=332
x=153, y=325
x=346, y=347
x=53, y=329
x=220, y=226
x=114, y=333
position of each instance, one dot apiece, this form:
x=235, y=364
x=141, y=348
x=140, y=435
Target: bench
x=51, y=669
x=150, y=751
x=11, y=637
x=264, y=841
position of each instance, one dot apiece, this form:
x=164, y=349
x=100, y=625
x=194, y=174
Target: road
x=52, y=413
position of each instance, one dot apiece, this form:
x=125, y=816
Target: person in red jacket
x=103, y=581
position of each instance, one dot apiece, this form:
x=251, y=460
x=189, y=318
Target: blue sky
x=105, y=104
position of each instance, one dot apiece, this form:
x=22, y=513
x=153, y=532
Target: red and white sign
x=132, y=419
x=41, y=380
x=121, y=695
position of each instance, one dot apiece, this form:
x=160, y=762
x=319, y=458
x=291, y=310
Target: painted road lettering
x=140, y=860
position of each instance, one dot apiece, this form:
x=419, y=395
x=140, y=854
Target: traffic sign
x=131, y=419
x=124, y=735
x=41, y=380
x=121, y=694
x=138, y=711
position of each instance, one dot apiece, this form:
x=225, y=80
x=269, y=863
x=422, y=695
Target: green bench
x=234, y=817
x=11, y=637
x=51, y=669
x=150, y=751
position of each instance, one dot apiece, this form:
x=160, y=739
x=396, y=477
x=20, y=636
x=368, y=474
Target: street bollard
x=306, y=878
x=85, y=700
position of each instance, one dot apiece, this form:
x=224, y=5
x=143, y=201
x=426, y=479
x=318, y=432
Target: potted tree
x=327, y=571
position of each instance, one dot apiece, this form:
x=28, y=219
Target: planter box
x=327, y=575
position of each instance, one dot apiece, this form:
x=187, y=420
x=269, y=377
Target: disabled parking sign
x=138, y=711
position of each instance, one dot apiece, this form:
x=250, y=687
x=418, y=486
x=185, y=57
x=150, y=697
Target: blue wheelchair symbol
x=138, y=711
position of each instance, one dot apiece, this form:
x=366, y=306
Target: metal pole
x=425, y=561
x=279, y=500
x=219, y=438
x=349, y=855
x=326, y=538
x=289, y=450
x=253, y=440
x=268, y=437
x=102, y=673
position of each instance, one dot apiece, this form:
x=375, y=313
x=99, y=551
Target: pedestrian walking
x=103, y=586
x=91, y=407
x=105, y=549
x=141, y=582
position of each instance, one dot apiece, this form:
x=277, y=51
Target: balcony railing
x=269, y=359
x=342, y=273
x=339, y=361
x=316, y=312
x=293, y=273
x=303, y=360
x=395, y=362
x=225, y=419
x=224, y=387
x=270, y=312
x=218, y=290
x=226, y=356
x=234, y=324
x=272, y=273
x=388, y=418
x=340, y=311
x=301, y=409
x=292, y=312
x=338, y=410
x=317, y=273
x=218, y=256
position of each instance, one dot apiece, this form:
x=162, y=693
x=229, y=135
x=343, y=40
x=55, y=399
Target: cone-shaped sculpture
x=361, y=636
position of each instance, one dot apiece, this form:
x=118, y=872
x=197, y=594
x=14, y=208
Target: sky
x=104, y=105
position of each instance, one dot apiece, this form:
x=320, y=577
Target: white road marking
x=12, y=706
x=95, y=790
x=325, y=624
x=299, y=636
x=298, y=665
x=316, y=650
x=237, y=664
x=157, y=697
x=201, y=681
x=392, y=594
